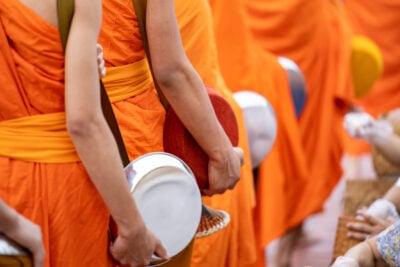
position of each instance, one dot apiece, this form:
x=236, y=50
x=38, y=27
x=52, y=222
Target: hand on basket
x=370, y=227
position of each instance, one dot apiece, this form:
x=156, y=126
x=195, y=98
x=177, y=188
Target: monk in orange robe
x=317, y=37
x=52, y=140
x=283, y=186
x=378, y=20
x=234, y=245
x=128, y=81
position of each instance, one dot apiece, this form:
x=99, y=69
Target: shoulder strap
x=140, y=10
x=65, y=12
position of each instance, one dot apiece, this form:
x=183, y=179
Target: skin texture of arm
x=389, y=147
x=22, y=231
x=185, y=91
x=393, y=195
x=366, y=253
x=89, y=132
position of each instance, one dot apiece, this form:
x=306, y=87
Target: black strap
x=140, y=10
x=65, y=11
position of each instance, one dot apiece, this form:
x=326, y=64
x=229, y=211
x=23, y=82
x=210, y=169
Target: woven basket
x=382, y=166
x=342, y=242
x=362, y=192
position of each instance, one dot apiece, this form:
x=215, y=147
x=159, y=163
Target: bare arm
x=393, y=195
x=94, y=141
x=185, y=91
x=22, y=231
x=389, y=146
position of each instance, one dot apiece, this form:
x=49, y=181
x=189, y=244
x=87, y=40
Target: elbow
x=172, y=76
x=81, y=126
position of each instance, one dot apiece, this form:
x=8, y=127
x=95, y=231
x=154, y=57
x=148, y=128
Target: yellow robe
x=235, y=245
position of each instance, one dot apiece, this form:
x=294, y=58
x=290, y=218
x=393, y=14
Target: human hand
x=100, y=61
x=368, y=225
x=135, y=247
x=28, y=235
x=363, y=126
x=224, y=175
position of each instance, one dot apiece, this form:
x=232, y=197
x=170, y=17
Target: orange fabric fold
x=59, y=197
x=283, y=184
x=39, y=138
x=127, y=81
x=378, y=20
x=236, y=243
x=316, y=35
x=141, y=115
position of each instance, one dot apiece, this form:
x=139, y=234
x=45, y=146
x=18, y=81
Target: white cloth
x=383, y=209
x=343, y=261
x=361, y=125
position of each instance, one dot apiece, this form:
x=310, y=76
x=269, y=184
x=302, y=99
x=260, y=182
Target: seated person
x=382, y=134
x=381, y=250
x=386, y=143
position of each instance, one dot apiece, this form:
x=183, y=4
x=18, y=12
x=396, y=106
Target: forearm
x=194, y=109
x=179, y=81
x=8, y=217
x=389, y=147
x=105, y=169
x=86, y=124
x=393, y=195
x=362, y=254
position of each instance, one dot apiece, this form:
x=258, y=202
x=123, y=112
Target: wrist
x=373, y=249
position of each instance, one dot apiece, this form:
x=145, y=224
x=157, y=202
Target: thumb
x=161, y=252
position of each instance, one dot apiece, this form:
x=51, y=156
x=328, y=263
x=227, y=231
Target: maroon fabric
x=178, y=140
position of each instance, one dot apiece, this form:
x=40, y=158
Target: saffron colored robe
x=378, y=20
x=41, y=175
x=234, y=245
x=316, y=35
x=128, y=81
x=129, y=84
x=282, y=182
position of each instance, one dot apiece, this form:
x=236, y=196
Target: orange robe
x=46, y=182
x=235, y=245
x=136, y=106
x=129, y=84
x=317, y=37
x=379, y=20
x=283, y=185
